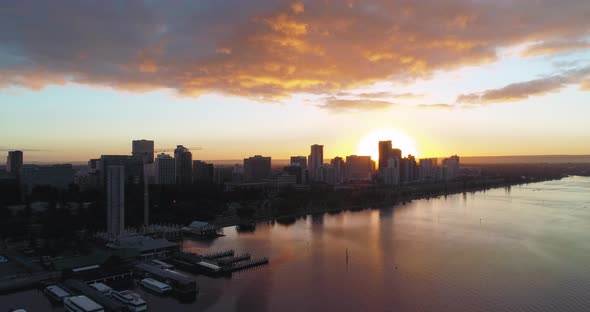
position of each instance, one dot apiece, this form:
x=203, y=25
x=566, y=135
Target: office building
x=359, y=168
x=165, y=169
x=299, y=161
x=385, y=153
x=339, y=169
x=87, y=179
x=409, y=170
x=184, y=165
x=450, y=167
x=391, y=173
x=134, y=170
x=14, y=162
x=143, y=149
x=115, y=177
x=315, y=161
x=94, y=164
x=202, y=172
x=256, y=168
x=428, y=169
x=222, y=175
x=298, y=172
x=57, y=176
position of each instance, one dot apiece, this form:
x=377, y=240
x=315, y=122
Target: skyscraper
x=451, y=167
x=115, y=200
x=359, y=167
x=184, y=165
x=202, y=172
x=339, y=169
x=300, y=161
x=14, y=162
x=385, y=153
x=392, y=172
x=145, y=149
x=134, y=171
x=165, y=169
x=316, y=160
x=256, y=168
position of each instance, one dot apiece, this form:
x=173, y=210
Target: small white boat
x=132, y=300
x=56, y=293
x=81, y=304
x=156, y=286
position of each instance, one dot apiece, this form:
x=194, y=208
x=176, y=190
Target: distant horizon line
x=470, y=159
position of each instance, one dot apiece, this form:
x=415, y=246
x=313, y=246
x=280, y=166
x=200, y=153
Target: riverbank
x=404, y=194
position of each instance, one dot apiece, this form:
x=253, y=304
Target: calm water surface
x=525, y=248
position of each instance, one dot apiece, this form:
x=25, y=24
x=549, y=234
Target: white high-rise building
x=115, y=200
x=316, y=160
x=165, y=169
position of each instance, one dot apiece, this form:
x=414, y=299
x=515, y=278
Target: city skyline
x=273, y=77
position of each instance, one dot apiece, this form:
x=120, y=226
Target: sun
x=369, y=144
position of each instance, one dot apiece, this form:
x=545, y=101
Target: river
x=521, y=248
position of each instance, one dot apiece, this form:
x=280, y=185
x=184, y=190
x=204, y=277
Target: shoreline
x=378, y=205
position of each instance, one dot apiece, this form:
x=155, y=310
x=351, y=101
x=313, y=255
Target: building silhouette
x=202, y=172
x=316, y=160
x=184, y=165
x=450, y=167
x=339, y=169
x=57, y=176
x=14, y=162
x=359, y=168
x=134, y=169
x=300, y=161
x=391, y=173
x=385, y=153
x=144, y=149
x=256, y=168
x=165, y=169
x=115, y=177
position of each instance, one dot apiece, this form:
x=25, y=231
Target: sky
x=236, y=78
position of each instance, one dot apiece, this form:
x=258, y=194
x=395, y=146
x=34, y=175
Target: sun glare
x=369, y=144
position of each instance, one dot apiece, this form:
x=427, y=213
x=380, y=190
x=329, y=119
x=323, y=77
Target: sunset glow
x=243, y=78
x=368, y=146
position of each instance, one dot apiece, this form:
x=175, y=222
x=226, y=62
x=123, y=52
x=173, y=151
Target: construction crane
x=171, y=149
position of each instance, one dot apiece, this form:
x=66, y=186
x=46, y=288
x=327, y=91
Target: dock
x=180, y=283
x=220, y=254
x=246, y=265
x=234, y=259
x=216, y=263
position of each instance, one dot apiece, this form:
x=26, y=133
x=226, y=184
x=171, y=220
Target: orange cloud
x=251, y=50
x=297, y=7
x=360, y=105
x=555, y=47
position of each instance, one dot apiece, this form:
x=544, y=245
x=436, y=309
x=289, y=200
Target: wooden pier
x=234, y=259
x=220, y=254
x=246, y=265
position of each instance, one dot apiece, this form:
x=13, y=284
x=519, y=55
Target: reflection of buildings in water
x=286, y=221
x=386, y=213
x=246, y=227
